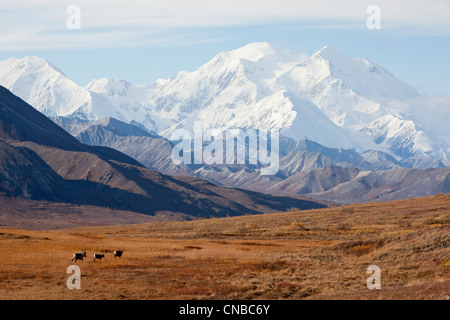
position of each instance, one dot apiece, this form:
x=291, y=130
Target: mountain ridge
x=306, y=167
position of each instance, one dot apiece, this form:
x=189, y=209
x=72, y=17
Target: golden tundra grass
x=316, y=254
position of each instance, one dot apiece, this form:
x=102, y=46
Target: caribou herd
x=97, y=256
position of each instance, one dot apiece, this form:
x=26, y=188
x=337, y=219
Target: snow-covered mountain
x=51, y=92
x=329, y=98
x=42, y=85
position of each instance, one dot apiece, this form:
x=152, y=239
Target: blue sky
x=141, y=41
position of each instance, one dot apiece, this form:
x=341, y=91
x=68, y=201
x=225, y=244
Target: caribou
x=118, y=253
x=98, y=256
x=79, y=256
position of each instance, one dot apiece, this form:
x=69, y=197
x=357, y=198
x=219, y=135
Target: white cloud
x=42, y=24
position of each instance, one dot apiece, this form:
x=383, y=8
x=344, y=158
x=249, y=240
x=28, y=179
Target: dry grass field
x=315, y=254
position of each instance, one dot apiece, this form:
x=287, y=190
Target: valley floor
x=315, y=254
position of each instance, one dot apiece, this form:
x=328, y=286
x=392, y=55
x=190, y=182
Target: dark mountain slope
x=69, y=171
x=23, y=173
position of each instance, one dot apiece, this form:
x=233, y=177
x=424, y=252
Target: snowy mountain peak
x=110, y=87
x=232, y=60
x=42, y=85
x=33, y=62
x=253, y=51
x=329, y=53
x=258, y=54
x=28, y=66
x=360, y=75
